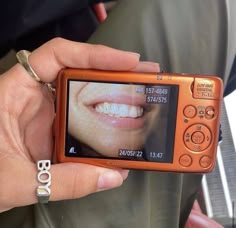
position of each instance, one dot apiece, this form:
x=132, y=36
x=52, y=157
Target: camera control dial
x=197, y=137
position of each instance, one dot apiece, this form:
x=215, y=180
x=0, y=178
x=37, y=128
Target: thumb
x=68, y=181
x=77, y=180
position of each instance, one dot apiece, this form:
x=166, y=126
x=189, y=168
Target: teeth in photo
x=119, y=110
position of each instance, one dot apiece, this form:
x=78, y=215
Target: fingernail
x=135, y=54
x=108, y=180
x=150, y=63
x=145, y=66
x=124, y=173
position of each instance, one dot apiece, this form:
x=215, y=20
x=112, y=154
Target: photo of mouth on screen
x=121, y=121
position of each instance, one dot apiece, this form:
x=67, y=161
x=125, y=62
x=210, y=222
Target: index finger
x=59, y=53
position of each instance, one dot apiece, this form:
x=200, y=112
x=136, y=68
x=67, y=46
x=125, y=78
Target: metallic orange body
x=196, y=136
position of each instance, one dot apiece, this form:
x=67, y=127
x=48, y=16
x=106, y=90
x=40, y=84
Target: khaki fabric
x=192, y=36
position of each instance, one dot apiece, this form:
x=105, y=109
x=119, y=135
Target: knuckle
x=57, y=41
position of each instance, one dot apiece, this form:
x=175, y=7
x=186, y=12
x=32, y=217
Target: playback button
x=210, y=112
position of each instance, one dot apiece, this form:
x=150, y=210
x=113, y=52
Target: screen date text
x=130, y=153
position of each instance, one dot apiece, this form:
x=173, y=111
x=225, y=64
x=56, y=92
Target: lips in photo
x=119, y=110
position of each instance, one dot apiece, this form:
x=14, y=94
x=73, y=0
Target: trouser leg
x=183, y=36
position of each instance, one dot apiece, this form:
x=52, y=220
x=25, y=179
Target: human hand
x=27, y=116
x=200, y=220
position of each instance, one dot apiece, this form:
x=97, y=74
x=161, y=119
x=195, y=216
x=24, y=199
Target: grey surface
x=214, y=179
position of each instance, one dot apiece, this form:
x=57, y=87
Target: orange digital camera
x=147, y=121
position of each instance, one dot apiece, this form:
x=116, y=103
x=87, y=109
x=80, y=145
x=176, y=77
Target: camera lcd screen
x=121, y=121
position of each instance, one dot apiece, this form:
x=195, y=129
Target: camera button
x=210, y=112
x=190, y=111
x=205, y=161
x=185, y=160
x=198, y=137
